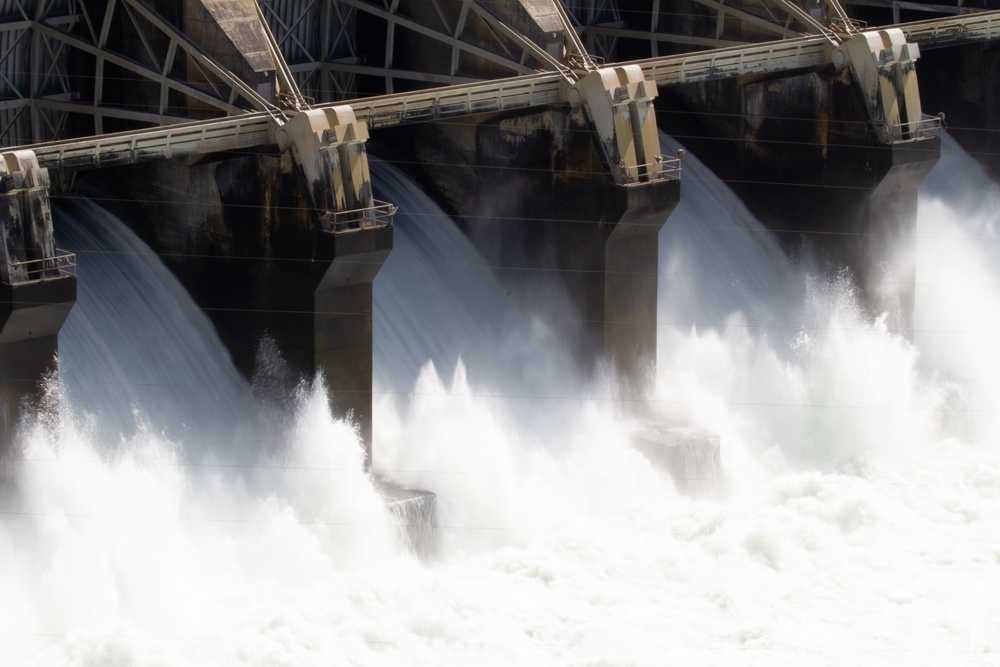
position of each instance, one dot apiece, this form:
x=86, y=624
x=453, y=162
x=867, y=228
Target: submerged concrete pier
x=236, y=133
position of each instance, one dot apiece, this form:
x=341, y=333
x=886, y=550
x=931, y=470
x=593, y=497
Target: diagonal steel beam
x=286, y=82
x=749, y=18
x=410, y=24
x=807, y=20
x=138, y=68
x=526, y=44
x=197, y=53
x=662, y=37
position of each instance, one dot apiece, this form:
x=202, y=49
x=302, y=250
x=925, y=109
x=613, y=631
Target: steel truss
x=318, y=39
x=63, y=62
x=127, y=41
x=736, y=22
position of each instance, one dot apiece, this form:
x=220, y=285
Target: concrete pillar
x=342, y=320
x=631, y=272
x=866, y=219
x=31, y=315
x=37, y=291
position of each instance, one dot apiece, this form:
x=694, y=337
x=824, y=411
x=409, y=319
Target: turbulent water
x=856, y=522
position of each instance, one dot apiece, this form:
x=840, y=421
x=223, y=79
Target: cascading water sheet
x=180, y=374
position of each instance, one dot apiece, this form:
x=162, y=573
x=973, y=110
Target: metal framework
x=596, y=22
x=898, y=6
x=43, y=93
x=318, y=39
x=725, y=23
x=34, y=84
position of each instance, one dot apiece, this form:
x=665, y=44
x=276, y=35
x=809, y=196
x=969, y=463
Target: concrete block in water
x=692, y=456
x=415, y=511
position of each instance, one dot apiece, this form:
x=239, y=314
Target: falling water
x=126, y=293
x=862, y=473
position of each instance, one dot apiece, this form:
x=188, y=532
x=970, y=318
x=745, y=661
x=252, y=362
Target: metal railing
x=977, y=27
x=439, y=103
x=789, y=54
x=670, y=167
x=338, y=222
x=925, y=128
x=662, y=168
x=224, y=134
x=39, y=270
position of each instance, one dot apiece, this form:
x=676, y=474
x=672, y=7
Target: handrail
x=670, y=167
x=380, y=214
x=925, y=128
x=787, y=54
x=662, y=168
x=452, y=101
x=39, y=270
x=976, y=27
x=231, y=133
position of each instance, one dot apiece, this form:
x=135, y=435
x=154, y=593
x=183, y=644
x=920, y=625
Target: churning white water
x=858, y=521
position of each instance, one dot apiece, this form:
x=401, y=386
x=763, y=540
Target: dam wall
x=279, y=238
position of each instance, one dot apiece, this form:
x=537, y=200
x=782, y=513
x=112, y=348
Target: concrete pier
x=37, y=291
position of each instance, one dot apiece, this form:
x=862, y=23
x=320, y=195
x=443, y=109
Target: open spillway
x=861, y=471
x=136, y=347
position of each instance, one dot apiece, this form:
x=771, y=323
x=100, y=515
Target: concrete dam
x=235, y=135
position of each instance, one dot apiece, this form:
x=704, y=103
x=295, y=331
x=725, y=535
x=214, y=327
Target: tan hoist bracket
x=619, y=101
x=329, y=146
x=883, y=64
x=25, y=217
